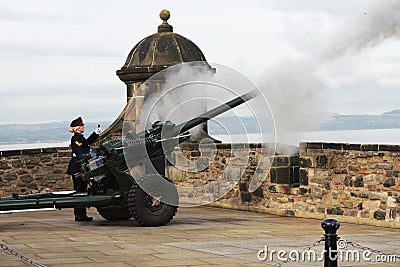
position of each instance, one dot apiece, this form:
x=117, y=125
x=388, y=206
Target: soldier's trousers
x=79, y=186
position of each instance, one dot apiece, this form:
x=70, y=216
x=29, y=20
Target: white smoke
x=377, y=23
x=181, y=97
x=295, y=88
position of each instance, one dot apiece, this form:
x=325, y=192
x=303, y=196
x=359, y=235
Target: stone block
x=336, y=146
x=314, y=145
x=17, y=163
x=338, y=179
x=272, y=189
x=280, y=161
x=354, y=168
x=46, y=158
x=65, y=153
x=42, y=171
x=351, y=213
x=393, y=173
x=358, y=181
x=10, y=153
x=384, y=166
x=356, y=147
x=377, y=196
x=305, y=162
x=340, y=171
x=283, y=175
x=246, y=197
x=202, y=164
x=32, y=151
x=243, y=187
x=232, y=174
x=26, y=178
x=347, y=204
x=393, y=148
x=63, y=161
x=32, y=162
x=4, y=165
x=362, y=194
x=21, y=171
x=195, y=154
x=367, y=147
x=258, y=192
x=371, y=205
x=365, y=214
x=322, y=162
x=389, y=182
x=50, y=150
x=303, y=176
x=289, y=213
x=59, y=171
x=318, y=192
x=33, y=187
x=11, y=176
x=334, y=211
x=379, y=215
x=348, y=181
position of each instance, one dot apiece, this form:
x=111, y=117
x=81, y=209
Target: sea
x=371, y=136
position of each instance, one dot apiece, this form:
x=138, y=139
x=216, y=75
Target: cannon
x=152, y=200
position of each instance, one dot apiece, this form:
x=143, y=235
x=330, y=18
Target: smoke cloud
x=377, y=23
x=295, y=88
x=182, y=96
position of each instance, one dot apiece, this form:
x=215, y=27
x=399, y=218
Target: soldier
x=80, y=148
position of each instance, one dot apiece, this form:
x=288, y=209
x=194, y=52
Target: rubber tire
x=115, y=212
x=137, y=203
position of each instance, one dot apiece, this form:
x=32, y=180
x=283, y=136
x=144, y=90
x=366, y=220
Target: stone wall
x=356, y=183
x=34, y=170
x=359, y=182
x=208, y=172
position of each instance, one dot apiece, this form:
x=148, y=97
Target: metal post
x=330, y=254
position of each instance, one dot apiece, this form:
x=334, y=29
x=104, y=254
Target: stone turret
x=151, y=55
x=155, y=53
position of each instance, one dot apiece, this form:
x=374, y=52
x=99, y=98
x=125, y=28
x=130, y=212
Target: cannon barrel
x=185, y=126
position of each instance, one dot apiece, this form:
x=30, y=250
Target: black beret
x=76, y=122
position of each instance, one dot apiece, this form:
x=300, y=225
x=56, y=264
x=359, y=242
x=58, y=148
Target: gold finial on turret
x=164, y=27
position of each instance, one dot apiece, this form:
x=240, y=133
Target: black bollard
x=330, y=254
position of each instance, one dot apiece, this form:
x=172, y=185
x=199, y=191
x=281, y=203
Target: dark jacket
x=80, y=146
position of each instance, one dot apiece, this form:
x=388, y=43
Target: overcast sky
x=58, y=58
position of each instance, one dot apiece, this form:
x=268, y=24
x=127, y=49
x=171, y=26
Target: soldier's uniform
x=80, y=147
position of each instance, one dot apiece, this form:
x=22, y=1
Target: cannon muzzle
x=185, y=126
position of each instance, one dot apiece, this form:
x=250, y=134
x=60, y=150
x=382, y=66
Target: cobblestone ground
x=196, y=237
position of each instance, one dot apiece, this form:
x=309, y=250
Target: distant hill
x=387, y=120
x=58, y=131
x=41, y=132
x=395, y=112
x=330, y=122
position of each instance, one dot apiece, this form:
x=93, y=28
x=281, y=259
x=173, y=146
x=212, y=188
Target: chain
x=314, y=244
x=22, y=257
x=343, y=243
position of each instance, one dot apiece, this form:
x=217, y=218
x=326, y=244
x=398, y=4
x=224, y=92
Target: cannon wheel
x=148, y=210
x=115, y=212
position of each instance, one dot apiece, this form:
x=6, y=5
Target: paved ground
x=196, y=237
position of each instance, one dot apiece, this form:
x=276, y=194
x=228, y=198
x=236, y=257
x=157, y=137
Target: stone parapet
x=34, y=170
x=357, y=183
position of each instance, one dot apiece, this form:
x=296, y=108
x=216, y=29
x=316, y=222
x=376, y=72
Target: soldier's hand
x=98, y=130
